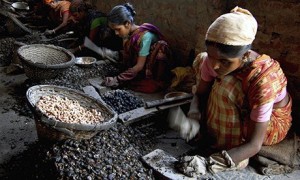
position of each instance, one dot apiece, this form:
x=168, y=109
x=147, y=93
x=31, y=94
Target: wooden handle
x=171, y=100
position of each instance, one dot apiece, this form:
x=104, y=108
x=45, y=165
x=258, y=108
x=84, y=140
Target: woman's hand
x=111, y=82
x=111, y=54
x=188, y=128
x=195, y=166
x=127, y=75
x=49, y=32
x=192, y=166
x=59, y=27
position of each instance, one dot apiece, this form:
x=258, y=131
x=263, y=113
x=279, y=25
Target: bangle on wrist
x=79, y=47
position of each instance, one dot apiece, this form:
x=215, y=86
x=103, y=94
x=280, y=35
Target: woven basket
x=55, y=130
x=41, y=61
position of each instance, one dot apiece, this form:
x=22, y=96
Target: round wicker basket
x=41, y=61
x=53, y=129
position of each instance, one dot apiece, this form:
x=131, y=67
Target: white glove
x=192, y=166
x=194, y=114
x=109, y=53
x=187, y=127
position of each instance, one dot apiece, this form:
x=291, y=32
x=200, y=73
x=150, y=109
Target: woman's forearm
x=254, y=141
x=243, y=152
x=141, y=61
x=195, y=103
x=64, y=22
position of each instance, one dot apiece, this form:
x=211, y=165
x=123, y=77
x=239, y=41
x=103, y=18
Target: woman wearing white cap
x=248, y=104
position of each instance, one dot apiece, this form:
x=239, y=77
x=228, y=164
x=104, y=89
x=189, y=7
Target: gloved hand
x=187, y=127
x=192, y=166
x=194, y=114
x=109, y=53
x=111, y=82
x=49, y=32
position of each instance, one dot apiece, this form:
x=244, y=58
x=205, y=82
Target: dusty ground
x=24, y=156
x=19, y=145
x=16, y=131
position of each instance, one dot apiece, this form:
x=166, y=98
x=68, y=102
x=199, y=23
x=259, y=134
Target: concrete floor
x=18, y=131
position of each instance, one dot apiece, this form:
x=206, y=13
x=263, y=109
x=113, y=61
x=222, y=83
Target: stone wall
x=184, y=23
x=278, y=36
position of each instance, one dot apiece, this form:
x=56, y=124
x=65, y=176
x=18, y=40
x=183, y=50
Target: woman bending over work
x=146, y=55
x=248, y=104
x=58, y=15
x=93, y=24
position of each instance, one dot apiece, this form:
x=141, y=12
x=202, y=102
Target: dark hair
x=121, y=14
x=229, y=51
x=80, y=6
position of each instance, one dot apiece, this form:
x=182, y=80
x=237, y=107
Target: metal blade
x=170, y=100
x=92, y=46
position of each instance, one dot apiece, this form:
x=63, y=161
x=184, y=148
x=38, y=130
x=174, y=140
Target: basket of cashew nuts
x=61, y=113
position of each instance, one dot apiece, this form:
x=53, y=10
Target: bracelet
x=79, y=47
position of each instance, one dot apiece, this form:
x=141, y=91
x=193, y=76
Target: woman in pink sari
x=146, y=55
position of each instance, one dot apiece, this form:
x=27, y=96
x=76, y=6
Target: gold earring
x=127, y=24
x=245, y=59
